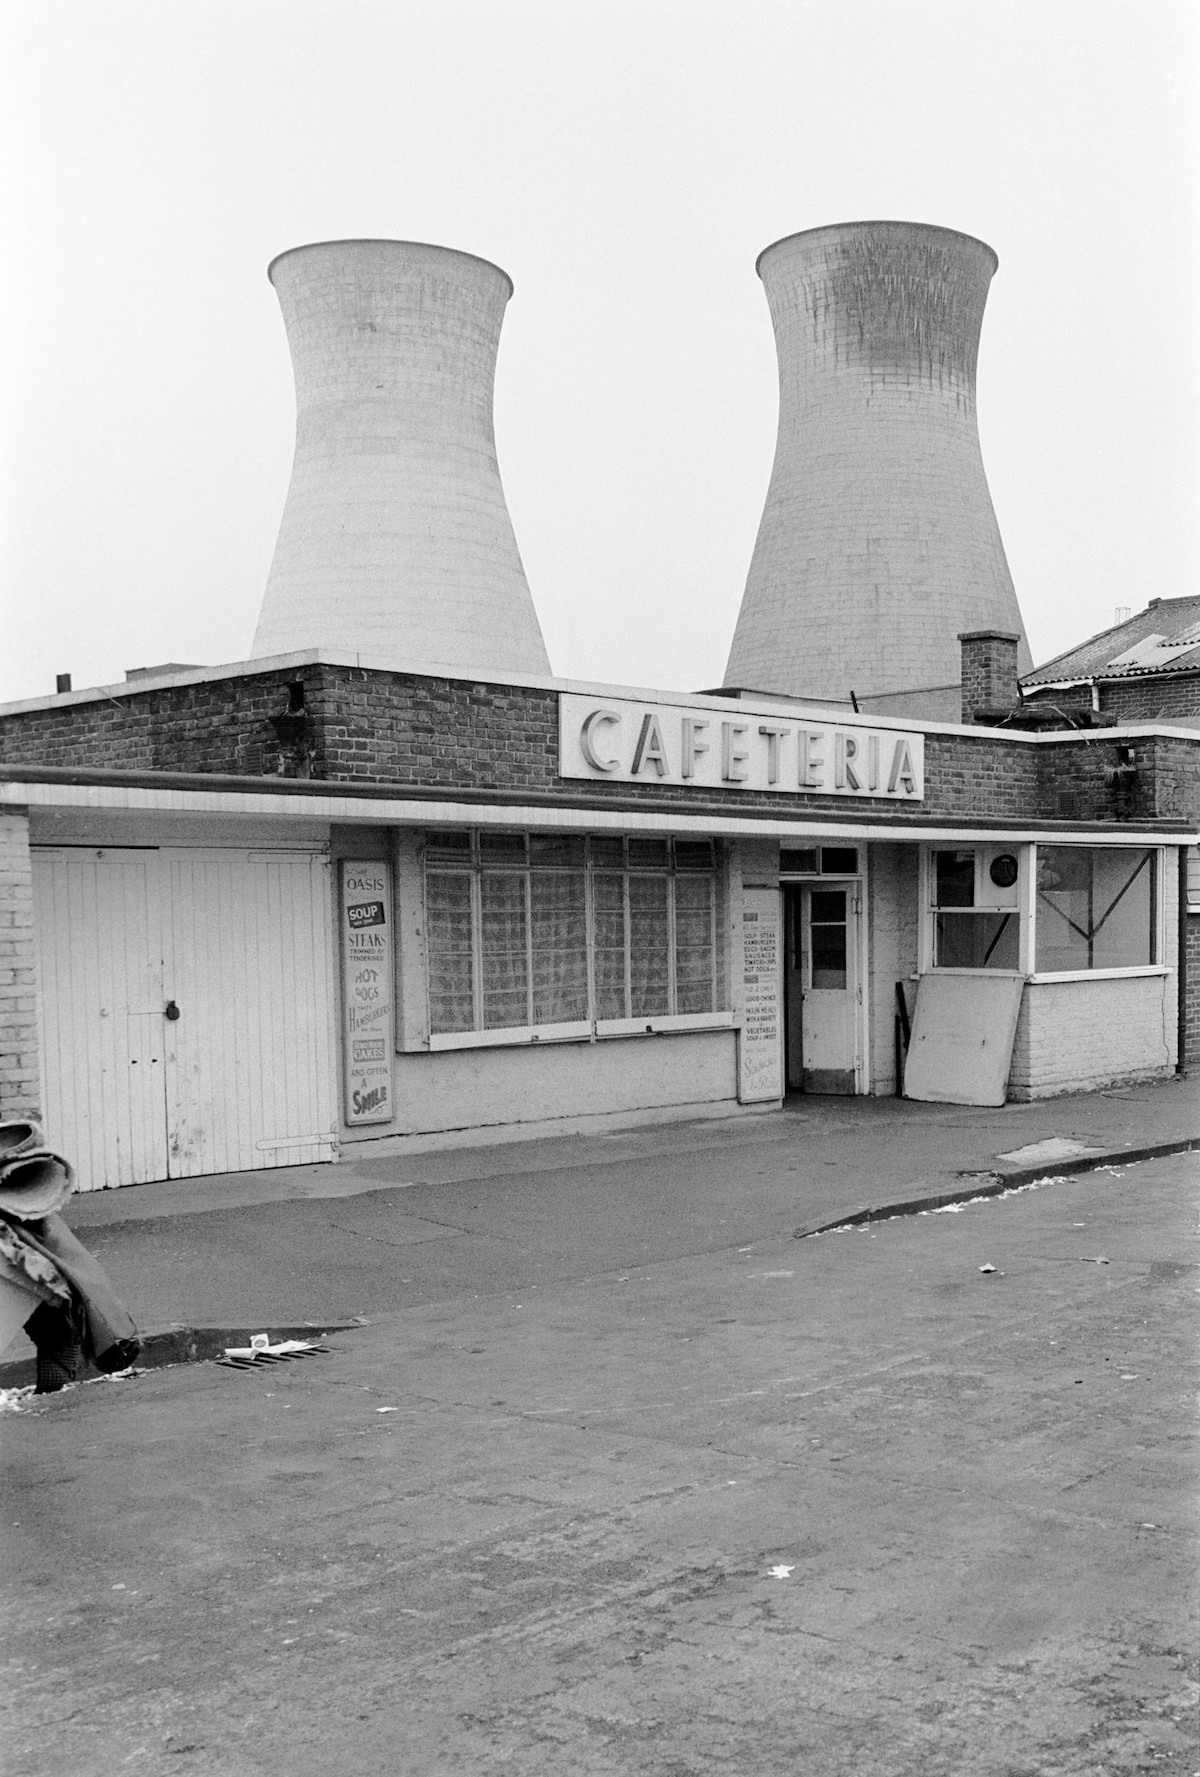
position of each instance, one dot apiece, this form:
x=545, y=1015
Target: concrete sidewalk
x=375, y=1234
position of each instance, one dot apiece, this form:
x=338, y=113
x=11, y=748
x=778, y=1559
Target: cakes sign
x=624, y=741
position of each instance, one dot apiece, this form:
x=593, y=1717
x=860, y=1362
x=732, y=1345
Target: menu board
x=368, y=978
x=760, y=1044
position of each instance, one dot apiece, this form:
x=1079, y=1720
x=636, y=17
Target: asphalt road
x=844, y=1505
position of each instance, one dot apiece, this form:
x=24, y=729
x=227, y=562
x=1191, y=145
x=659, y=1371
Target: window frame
x=1027, y=856
x=1157, y=966
x=927, y=889
x=591, y=1028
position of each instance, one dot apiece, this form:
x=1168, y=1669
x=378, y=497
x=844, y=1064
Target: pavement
x=201, y=1263
x=617, y=1477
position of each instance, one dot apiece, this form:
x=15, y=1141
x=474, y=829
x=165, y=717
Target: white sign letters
x=624, y=741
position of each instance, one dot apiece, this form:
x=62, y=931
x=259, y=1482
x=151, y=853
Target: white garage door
x=186, y=1004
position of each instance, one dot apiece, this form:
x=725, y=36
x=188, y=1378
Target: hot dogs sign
x=368, y=992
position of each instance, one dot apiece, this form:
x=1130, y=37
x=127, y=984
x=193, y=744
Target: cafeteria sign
x=738, y=747
x=368, y=1003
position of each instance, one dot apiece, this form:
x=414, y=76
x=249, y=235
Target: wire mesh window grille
x=530, y=931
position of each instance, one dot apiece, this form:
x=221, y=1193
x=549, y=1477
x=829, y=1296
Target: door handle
x=171, y=1011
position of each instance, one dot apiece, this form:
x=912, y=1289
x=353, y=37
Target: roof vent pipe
x=878, y=544
x=396, y=543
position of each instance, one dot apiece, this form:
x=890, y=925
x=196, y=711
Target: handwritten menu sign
x=368, y=998
x=760, y=1046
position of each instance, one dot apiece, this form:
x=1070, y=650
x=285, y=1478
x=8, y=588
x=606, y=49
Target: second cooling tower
x=395, y=542
x=878, y=543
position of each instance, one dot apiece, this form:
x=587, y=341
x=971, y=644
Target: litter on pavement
x=260, y=1352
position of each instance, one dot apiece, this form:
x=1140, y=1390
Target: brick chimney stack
x=989, y=673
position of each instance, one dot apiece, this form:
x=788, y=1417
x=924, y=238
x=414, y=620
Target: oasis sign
x=651, y=743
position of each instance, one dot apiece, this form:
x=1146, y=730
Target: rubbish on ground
x=987, y=1267
x=782, y=1571
x=261, y=1352
x=1084, y=1260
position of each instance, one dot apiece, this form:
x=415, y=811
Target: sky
x=625, y=163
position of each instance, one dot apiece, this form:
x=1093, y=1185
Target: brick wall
x=1076, y=1036
x=989, y=671
x=1191, y=999
x=355, y=725
x=1170, y=698
x=20, y=1083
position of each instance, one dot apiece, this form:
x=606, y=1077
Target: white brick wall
x=20, y=1074
x=893, y=913
x=1075, y=1036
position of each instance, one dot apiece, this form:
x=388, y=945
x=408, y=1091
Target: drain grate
x=260, y=1353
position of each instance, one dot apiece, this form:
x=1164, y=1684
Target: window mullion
x=671, y=999
x=477, y=944
x=628, y=941
x=529, y=948
x=589, y=933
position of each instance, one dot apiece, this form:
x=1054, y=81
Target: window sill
x=528, y=1037
x=1047, y=979
x=512, y=1036
x=663, y=1025
x=1013, y=974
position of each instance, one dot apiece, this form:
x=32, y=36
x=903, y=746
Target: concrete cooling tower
x=878, y=543
x=395, y=542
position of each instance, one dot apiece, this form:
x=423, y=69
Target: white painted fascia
x=257, y=805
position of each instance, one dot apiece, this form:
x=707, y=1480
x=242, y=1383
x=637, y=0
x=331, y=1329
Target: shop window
x=976, y=920
x=530, y=932
x=1095, y=908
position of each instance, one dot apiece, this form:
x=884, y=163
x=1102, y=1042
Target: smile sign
x=625, y=741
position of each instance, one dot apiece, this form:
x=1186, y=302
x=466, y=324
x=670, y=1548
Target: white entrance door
x=822, y=988
x=186, y=1006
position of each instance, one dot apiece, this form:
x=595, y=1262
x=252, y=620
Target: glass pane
x=649, y=854
x=608, y=921
x=828, y=944
x=649, y=946
x=954, y=879
x=828, y=906
x=451, y=965
x=559, y=941
x=606, y=853
x=794, y=862
x=839, y=860
x=503, y=937
x=695, y=962
x=693, y=854
x=563, y=851
x=978, y=940
x=448, y=848
x=1094, y=908
x=502, y=848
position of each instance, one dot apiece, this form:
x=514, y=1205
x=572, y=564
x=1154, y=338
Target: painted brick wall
x=1076, y=1036
x=893, y=913
x=20, y=1080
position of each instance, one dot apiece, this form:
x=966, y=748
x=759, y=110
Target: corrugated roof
x=1164, y=638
